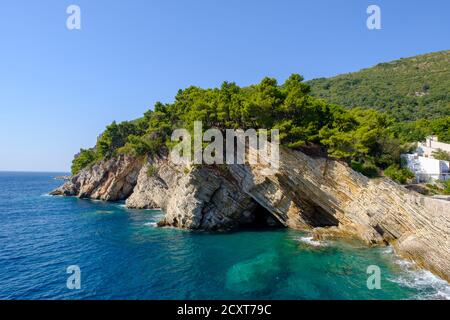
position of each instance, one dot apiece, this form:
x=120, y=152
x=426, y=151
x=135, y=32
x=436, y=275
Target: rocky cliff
x=111, y=180
x=320, y=195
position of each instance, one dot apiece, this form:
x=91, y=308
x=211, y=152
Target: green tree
x=441, y=155
x=85, y=158
x=367, y=139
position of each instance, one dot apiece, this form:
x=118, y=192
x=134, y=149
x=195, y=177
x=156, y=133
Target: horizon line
x=33, y=171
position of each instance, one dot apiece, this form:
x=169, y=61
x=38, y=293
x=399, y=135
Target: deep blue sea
x=123, y=255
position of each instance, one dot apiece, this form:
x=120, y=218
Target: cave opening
x=259, y=218
x=318, y=217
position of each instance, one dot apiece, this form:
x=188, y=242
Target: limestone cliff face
x=333, y=200
x=110, y=180
x=323, y=196
x=193, y=198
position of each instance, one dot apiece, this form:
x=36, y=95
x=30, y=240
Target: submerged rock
x=256, y=275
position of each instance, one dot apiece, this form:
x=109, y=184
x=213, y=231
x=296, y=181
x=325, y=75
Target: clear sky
x=60, y=88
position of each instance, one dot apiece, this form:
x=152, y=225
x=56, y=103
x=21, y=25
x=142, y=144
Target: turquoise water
x=122, y=255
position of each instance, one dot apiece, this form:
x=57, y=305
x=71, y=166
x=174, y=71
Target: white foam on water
x=95, y=200
x=388, y=250
x=429, y=285
x=432, y=287
x=151, y=224
x=310, y=241
x=104, y=212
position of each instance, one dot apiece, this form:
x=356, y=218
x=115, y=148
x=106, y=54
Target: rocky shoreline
x=319, y=195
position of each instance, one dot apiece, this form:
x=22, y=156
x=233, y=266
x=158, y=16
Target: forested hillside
x=407, y=89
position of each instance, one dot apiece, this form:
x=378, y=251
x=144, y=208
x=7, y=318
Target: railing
x=426, y=177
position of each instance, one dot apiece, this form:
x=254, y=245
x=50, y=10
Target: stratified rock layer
x=110, y=180
x=334, y=200
x=193, y=198
x=317, y=194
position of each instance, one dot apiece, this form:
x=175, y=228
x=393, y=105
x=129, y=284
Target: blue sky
x=60, y=88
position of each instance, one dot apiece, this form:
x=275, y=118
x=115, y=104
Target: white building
x=424, y=165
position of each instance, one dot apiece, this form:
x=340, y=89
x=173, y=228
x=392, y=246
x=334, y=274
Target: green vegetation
x=396, y=173
x=129, y=137
x=83, y=160
x=447, y=187
x=441, y=155
x=366, y=168
x=150, y=171
x=418, y=130
x=413, y=91
x=116, y=136
x=361, y=136
x=438, y=187
x=407, y=89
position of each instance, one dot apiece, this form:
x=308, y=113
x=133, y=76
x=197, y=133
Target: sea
x=62, y=248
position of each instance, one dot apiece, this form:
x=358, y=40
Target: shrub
x=140, y=146
x=151, y=170
x=84, y=159
x=446, y=187
x=367, y=169
x=398, y=174
x=441, y=155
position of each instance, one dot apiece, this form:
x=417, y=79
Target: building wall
x=439, y=145
x=445, y=167
x=427, y=168
x=432, y=143
x=425, y=151
x=422, y=163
